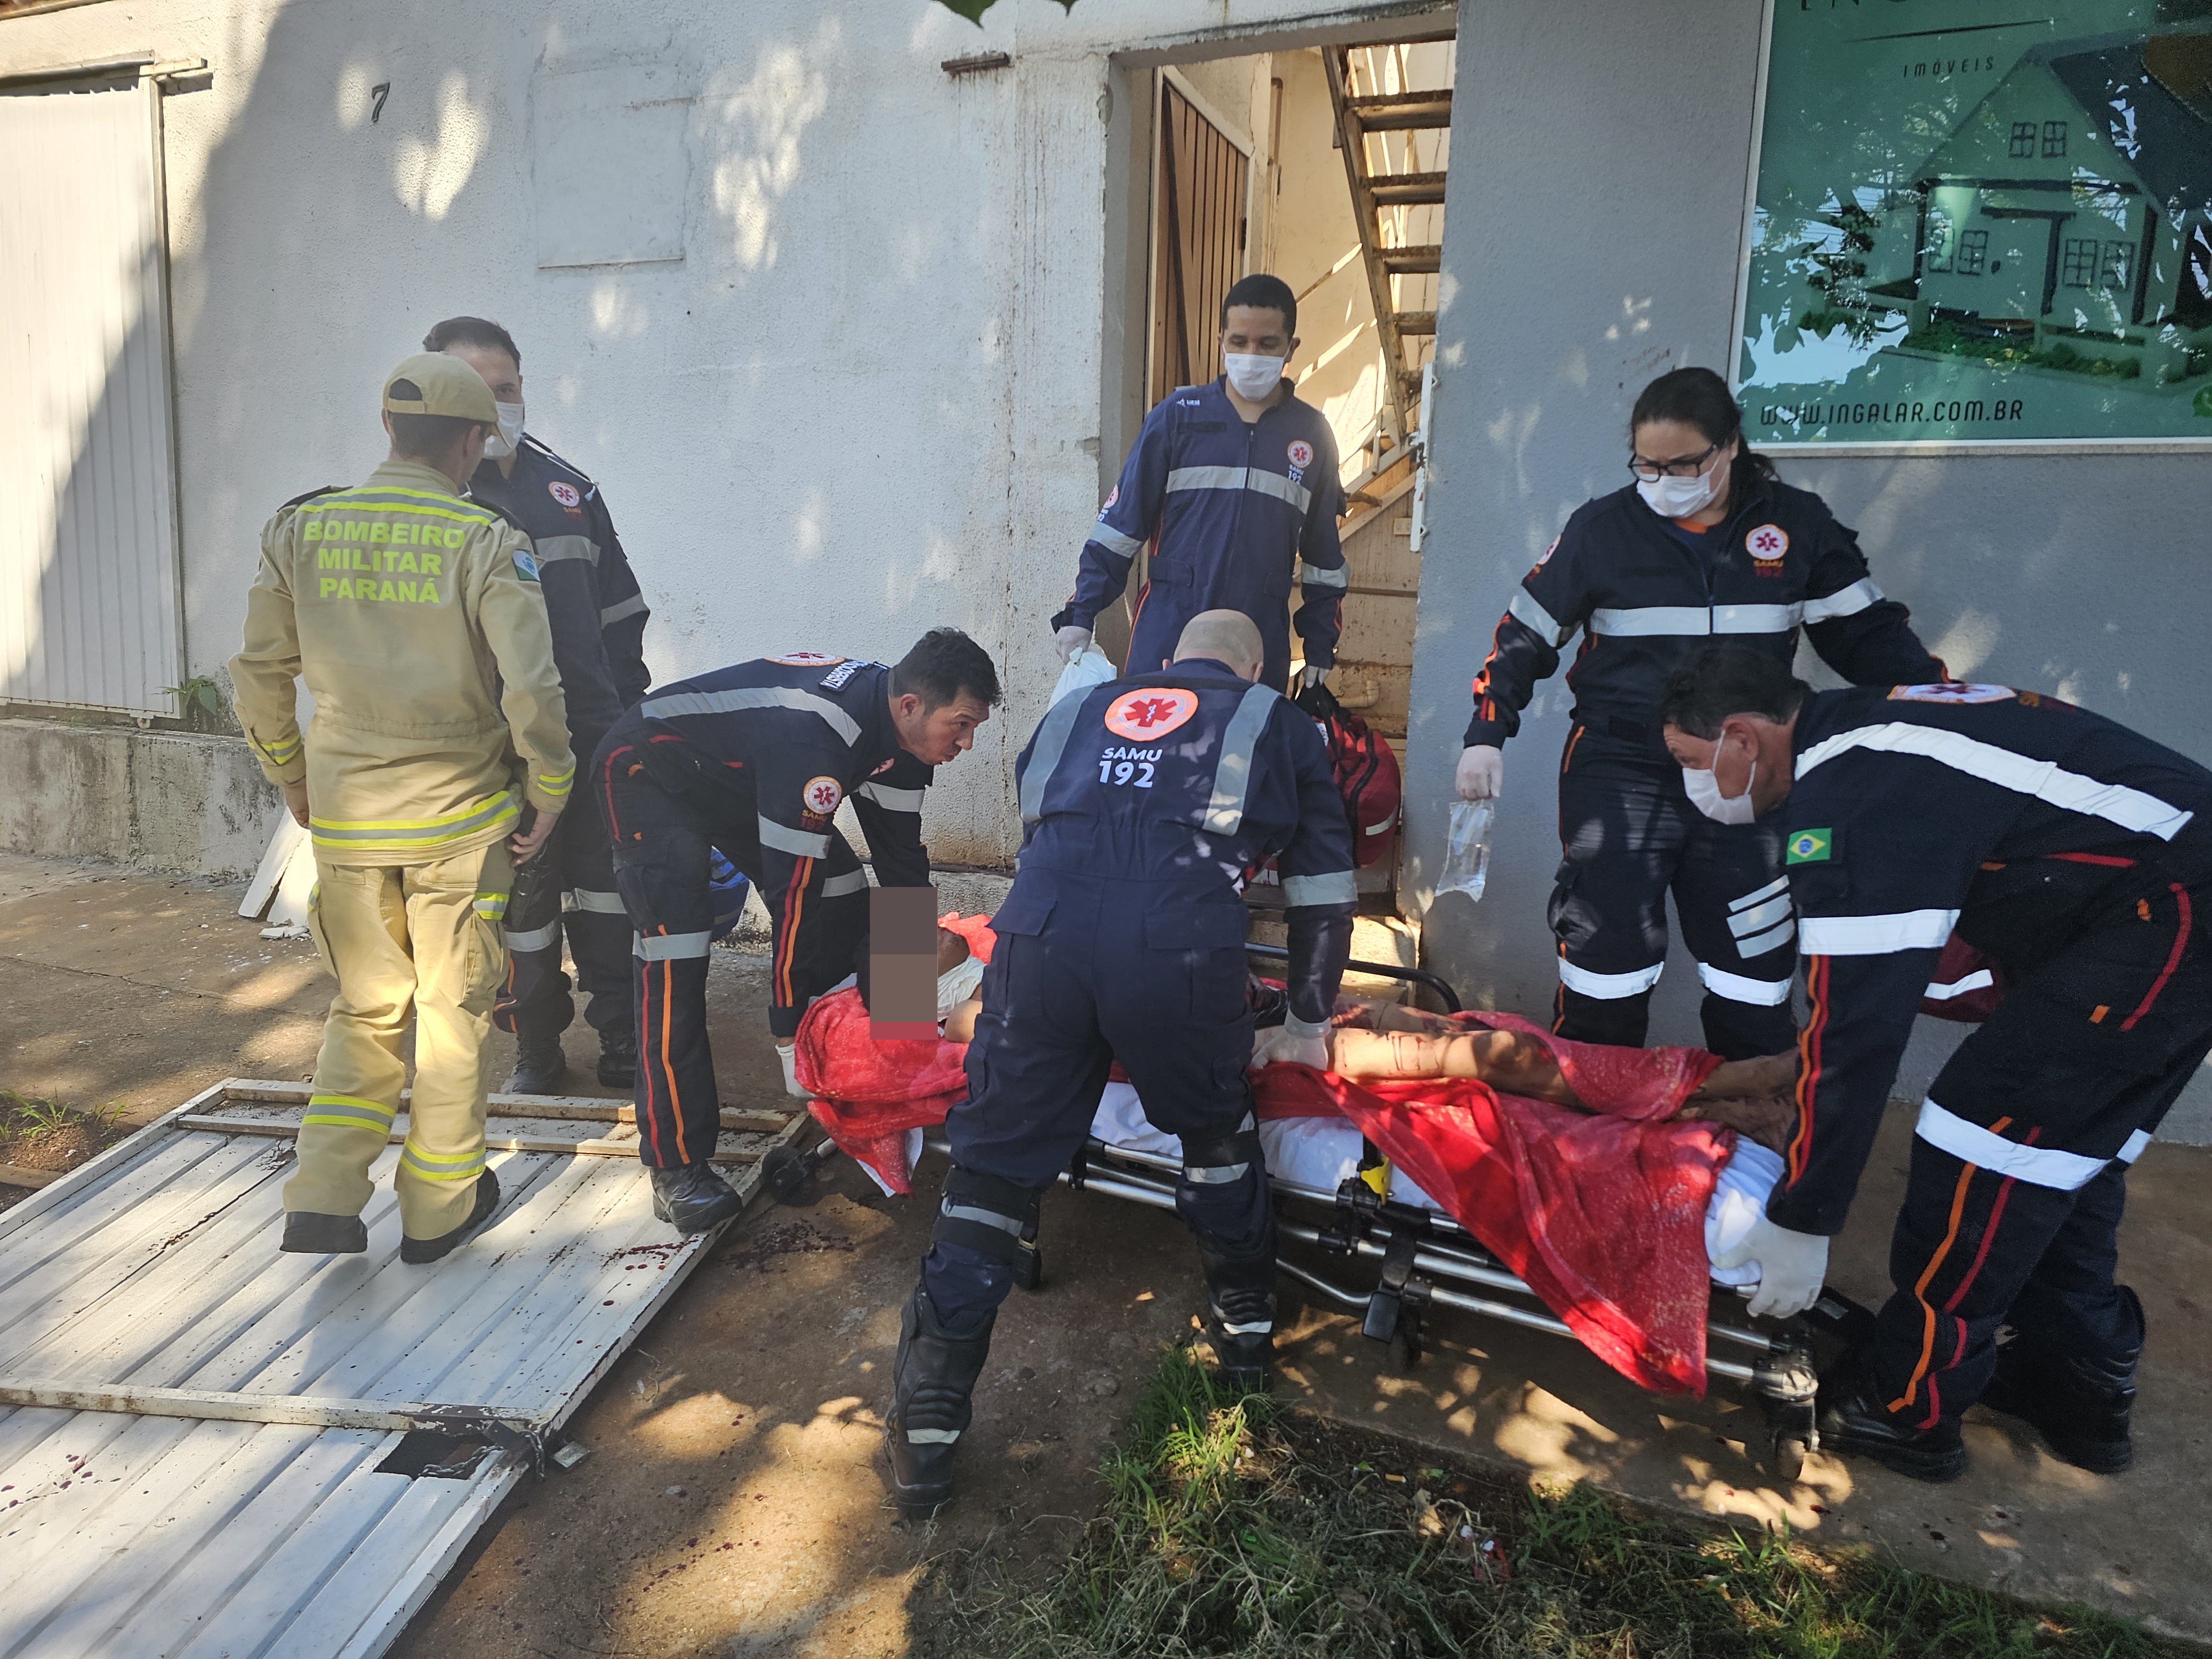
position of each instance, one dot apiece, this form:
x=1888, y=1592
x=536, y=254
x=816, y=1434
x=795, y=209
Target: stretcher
x=1398, y=1261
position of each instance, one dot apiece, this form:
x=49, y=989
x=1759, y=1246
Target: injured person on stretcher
x=1611, y=1180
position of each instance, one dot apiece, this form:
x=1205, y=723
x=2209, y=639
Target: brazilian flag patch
x=1810, y=846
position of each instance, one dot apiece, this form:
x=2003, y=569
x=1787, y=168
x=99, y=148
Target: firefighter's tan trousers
x=420, y=939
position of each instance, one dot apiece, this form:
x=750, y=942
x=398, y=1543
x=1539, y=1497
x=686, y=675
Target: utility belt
x=1646, y=734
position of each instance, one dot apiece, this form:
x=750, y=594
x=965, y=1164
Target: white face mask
x=1677, y=498
x=1704, y=790
x=1253, y=377
x=501, y=444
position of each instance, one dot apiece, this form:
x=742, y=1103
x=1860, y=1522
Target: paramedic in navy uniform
x=2076, y=855
x=1143, y=803
x=1707, y=541
x=1230, y=485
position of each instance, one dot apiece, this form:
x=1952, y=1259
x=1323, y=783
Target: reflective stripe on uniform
x=1759, y=993
x=2132, y=1147
x=1314, y=576
x=1525, y=609
x=349, y=1112
x=1875, y=936
x=557, y=784
x=931, y=1437
x=491, y=906
x=614, y=613
x=677, y=704
x=1045, y=750
x=799, y=844
x=436, y=1166
x=669, y=947
x=1980, y=979
x=1773, y=939
x=1758, y=916
x=1337, y=887
x=1779, y=885
x=1689, y=621
x=1005, y=1223
x=373, y=834
x=279, y=751
x=1970, y=1143
x=2046, y=781
x=1259, y=1327
x=552, y=549
x=1240, y=478
x=1609, y=987
x=535, y=939
x=1213, y=1175
x=891, y=800
x=599, y=903
x=1120, y=546
x=1843, y=602
x=852, y=881
x=1232, y=773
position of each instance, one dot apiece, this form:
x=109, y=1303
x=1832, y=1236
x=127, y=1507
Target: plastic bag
x=1093, y=667
x=1466, y=850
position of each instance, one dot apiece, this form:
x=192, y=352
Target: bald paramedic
x=438, y=755
x=1143, y=803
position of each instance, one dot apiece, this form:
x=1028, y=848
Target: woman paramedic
x=1707, y=540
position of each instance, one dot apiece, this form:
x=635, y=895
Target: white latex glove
x=1310, y=675
x=1070, y=642
x=1287, y=1042
x=788, y=1053
x=1481, y=774
x=1791, y=1267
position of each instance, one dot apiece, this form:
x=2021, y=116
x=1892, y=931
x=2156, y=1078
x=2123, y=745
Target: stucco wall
x=1585, y=255
x=865, y=401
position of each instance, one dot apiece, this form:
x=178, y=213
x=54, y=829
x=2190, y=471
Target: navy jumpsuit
x=1227, y=508
x=2077, y=855
x=598, y=619
x=1645, y=591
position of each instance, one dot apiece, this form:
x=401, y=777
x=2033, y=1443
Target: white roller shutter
x=89, y=613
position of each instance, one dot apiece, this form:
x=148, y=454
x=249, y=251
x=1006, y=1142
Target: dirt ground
x=732, y=1503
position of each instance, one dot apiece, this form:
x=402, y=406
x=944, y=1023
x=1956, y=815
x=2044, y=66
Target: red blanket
x=1601, y=1215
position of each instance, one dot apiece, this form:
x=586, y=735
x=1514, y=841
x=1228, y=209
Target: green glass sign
x=1982, y=221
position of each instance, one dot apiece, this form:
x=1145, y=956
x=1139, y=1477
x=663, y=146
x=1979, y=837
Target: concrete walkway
x=734, y=1503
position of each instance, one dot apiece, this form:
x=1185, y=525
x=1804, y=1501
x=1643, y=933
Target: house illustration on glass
x=2068, y=213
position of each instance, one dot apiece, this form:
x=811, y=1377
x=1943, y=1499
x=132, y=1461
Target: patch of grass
x=48, y=1135
x=1232, y=1529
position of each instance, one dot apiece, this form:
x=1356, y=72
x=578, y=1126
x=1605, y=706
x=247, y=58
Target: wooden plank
x=208, y=1405
x=379, y=1625
x=585, y=1108
x=1423, y=259
x=18, y=1174
x=284, y=837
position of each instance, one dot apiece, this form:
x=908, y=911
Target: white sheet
x=1321, y=1153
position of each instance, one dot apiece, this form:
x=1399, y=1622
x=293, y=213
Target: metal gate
x=1199, y=244
x=89, y=611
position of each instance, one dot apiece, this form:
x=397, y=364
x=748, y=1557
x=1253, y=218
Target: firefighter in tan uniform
x=436, y=758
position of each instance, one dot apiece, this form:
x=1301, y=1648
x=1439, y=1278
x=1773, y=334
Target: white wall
x=865, y=403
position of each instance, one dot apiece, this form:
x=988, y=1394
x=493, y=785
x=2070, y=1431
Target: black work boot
x=419, y=1252
x=1854, y=1418
x=539, y=1064
x=307, y=1233
x=2078, y=1404
x=1239, y=1316
x=618, y=1057
x=695, y=1197
x=932, y=1386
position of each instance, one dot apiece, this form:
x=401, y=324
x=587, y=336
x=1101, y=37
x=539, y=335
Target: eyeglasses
x=1688, y=468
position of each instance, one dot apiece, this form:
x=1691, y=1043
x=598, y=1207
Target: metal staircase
x=1396, y=141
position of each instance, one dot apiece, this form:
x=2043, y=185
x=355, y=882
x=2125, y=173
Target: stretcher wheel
x=1790, y=1451
x=1029, y=1272
x=786, y=1172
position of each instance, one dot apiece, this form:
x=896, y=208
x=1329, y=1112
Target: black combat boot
x=933, y=1382
x=618, y=1057
x=539, y=1064
x=307, y=1233
x=418, y=1252
x=1240, y=1316
x=1853, y=1419
x=2078, y=1404
x=695, y=1197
